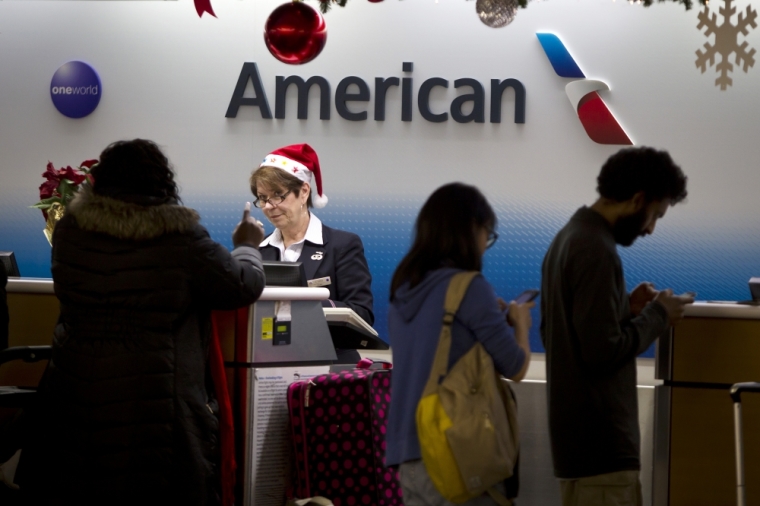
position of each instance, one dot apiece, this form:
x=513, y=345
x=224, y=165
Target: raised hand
x=249, y=232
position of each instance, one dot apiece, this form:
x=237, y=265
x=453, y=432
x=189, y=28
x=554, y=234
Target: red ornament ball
x=295, y=33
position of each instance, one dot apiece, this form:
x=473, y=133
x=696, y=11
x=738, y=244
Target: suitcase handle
x=736, y=392
x=367, y=363
x=738, y=388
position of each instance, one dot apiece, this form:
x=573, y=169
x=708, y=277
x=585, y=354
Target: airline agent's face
x=284, y=208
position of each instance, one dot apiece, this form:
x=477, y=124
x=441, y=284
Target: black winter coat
x=3, y=308
x=129, y=412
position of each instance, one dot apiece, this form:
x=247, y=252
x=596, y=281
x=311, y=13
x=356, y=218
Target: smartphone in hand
x=526, y=296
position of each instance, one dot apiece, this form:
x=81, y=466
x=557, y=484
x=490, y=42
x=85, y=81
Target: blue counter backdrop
x=714, y=263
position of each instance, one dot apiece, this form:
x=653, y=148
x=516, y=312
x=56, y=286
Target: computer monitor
x=8, y=259
x=284, y=273
x=754, y=289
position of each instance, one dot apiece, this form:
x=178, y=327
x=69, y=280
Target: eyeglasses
x=491, y=239
x=274, y=200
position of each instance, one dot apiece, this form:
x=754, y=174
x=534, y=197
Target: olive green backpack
x=466, y=418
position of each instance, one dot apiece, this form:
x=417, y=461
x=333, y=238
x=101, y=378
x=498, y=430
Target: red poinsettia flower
x=47, y=189
x=73, y=175
x=50, y=172
x=52, y=180
x=61, y=185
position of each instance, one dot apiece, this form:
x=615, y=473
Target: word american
x=361, y=93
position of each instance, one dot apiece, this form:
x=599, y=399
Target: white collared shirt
x=293, y=252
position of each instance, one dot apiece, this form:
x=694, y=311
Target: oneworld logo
x=75, y=89
x=68, y=90
x=599, y=123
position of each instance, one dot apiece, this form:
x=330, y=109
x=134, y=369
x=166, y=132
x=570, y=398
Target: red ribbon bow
x=202, y=6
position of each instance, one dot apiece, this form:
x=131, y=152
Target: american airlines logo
x=599, y=123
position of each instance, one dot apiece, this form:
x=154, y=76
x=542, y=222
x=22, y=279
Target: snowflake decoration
x=726, y=42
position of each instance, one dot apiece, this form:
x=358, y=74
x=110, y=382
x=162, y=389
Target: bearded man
x=593, y=329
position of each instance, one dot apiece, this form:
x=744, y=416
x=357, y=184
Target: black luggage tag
x=281, y=333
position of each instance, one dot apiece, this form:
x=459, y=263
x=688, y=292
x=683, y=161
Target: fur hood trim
x=125, y=220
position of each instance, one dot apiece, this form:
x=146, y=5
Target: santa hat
x=301, y=161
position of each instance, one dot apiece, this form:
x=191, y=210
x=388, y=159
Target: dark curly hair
x=134, y=168
x=632, y=170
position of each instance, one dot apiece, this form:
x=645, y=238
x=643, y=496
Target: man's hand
x=643, y=294
x=248, y=232
x=674, y=304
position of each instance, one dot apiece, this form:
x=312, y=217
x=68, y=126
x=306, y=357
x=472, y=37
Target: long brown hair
x=445, y=234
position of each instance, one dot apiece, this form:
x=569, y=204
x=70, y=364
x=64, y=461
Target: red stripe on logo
x=601, y=126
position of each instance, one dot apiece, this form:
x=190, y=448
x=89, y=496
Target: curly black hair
x=632, y=170
x=134, y=168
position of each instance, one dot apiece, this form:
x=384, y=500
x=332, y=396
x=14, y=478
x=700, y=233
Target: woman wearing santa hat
x=287, y=184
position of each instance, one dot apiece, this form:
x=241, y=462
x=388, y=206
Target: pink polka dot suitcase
x=338, y=423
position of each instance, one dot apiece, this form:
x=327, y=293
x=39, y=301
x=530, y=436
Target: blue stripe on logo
x=560, y=58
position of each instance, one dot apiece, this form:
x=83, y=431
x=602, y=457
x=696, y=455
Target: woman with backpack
x=452, y=232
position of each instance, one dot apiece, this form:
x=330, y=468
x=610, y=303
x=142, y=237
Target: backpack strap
x=454, y=295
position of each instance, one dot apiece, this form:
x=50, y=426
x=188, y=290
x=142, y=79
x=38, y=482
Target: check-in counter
x=716, y=345
x=282, y=338
x=33, y=309
x=261, y=363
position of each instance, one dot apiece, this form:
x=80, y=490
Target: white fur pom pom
x=319, y=201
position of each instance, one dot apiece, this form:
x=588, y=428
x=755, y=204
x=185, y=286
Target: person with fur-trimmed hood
x=128, y=413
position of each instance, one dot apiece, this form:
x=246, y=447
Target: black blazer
x=341, y=257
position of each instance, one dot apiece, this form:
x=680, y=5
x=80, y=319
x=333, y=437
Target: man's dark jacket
x=341, y=258
x=128, y=413
x=591, y=342
x=3, y=308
